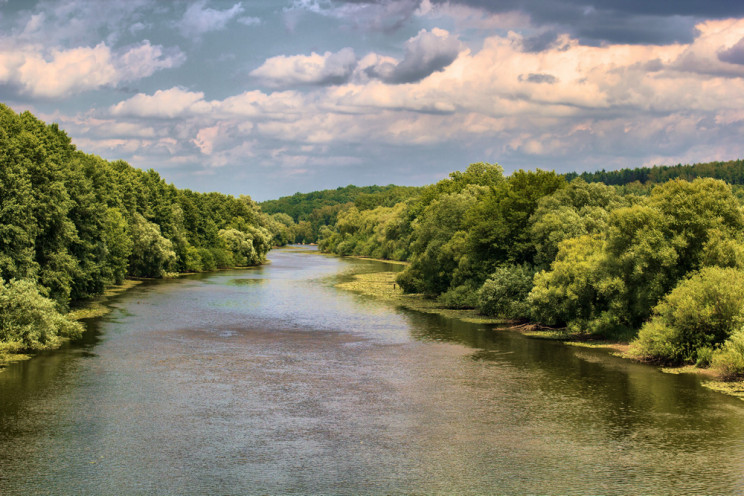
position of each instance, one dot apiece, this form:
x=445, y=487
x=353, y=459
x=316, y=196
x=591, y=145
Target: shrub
x=505, y=292
x=728, y=361
x=460, y=297
x=701, y=312
x=29, y=321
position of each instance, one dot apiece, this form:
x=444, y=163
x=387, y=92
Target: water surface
x=271, y=381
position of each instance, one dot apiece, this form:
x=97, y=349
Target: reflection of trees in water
x=597, y=396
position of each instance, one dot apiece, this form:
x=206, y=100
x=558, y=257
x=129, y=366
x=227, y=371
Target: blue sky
x=268, y=98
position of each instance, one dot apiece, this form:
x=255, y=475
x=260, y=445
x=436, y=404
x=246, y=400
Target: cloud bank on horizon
x=271, y=97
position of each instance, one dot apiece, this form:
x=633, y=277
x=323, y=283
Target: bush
x=701, y=312
x=408, y=281
x=728, y=361
x=505, y=292
x=459, y=297
x=29, y=321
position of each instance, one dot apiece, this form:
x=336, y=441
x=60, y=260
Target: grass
x=382, y=285
x=735, y=388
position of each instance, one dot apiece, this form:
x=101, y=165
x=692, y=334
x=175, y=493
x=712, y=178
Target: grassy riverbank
x=88, y=309
x=382, y=285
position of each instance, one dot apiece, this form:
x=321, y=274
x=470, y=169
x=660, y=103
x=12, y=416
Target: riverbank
x=88, y=309
x=382, y=285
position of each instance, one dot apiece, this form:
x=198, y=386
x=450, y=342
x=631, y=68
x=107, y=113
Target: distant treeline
x=660, y=263
x=309, y=212
x=72, y=224
x=731, y=171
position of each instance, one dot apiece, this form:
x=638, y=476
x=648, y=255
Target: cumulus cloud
x=716, y=50
x=314, y=69
x=426, y=53
x=565, y=105
x=200, y=19
x=734, y=54
x=60, y=72
x=170, y=103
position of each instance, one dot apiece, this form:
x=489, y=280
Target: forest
x=650, y=256
x=73, y=224
x=307, y=213
x=657, y=264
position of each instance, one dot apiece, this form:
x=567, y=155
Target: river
x=272, y=381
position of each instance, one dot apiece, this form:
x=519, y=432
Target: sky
x=271, y=97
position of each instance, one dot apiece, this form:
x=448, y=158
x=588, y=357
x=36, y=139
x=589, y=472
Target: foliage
x=152, y=254
x=499, y=225
x=460, y=297
x=732, y=172
x=247, y=247
x=728, y=361
x=72, y=223
x=310, y=212
x=701, y=312
x=29, y=321
x=439, y=243
x=504, y=294
x=578, y=209
x=570, y=290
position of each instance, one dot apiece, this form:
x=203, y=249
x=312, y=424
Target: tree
x=152, y=254
x=701, y=312
x=29, y=321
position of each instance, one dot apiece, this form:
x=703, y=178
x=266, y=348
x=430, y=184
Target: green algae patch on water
x=734, y=388
x=382, y=285
x=96, y=307
x=8, y=356
x=396, y=262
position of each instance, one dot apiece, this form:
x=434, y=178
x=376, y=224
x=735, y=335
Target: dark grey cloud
x=540, y=42
x=538, y=78
x=734, y=55
x=591, y=21
x=617, y=21
x=426, y=53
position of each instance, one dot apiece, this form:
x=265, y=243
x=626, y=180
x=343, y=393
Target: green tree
x=29, y=321
x=701, y=312
x=152, y=254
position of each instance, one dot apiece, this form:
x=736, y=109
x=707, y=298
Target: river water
x=271, y=381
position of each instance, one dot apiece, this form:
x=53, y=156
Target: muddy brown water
x=272, y=381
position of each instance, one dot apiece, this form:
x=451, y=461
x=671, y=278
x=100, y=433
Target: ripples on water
x=270, y=381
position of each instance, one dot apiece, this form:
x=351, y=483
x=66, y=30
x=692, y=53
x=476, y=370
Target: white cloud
x=612, y=105
x=313, y=69
x=200, y=19
x=205, y=139
x=60, y=72
x=171, y=103
x=144, y=60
